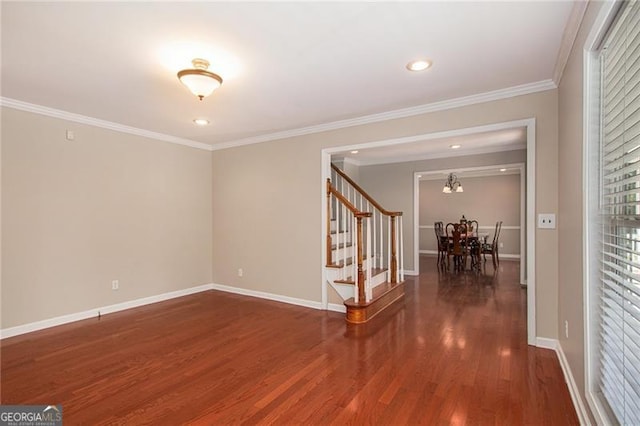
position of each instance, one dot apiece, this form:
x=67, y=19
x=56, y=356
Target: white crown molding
x=456, y=153
x=568, y=39
x=83, y=119
x=94, y=313
x=495, y=95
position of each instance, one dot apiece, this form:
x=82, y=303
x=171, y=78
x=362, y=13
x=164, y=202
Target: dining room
x=483, y=207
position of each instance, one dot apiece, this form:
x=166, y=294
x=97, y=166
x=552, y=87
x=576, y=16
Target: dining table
x=474, y=240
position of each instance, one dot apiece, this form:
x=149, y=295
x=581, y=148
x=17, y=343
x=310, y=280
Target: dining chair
x=492, y=248
x=457, y=247
x=475, y=245
x=442, y=243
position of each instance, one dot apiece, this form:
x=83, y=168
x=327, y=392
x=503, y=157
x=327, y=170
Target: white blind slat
x=617, y=242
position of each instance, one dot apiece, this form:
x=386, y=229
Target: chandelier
x=452, y=184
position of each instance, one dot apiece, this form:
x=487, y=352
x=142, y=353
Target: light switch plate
x=547, y=221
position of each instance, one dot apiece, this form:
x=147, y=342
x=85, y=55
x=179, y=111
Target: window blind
x=618, y=286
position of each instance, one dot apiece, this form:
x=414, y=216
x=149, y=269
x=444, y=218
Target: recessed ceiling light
x=201, y=121
x=419, y=65
x=419, y=176
x=355, y=151
x=503, y=170
x=454, y=146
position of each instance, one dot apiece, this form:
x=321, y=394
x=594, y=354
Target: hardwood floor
x=454, y=352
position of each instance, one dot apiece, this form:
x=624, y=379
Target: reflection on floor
x=454, y=352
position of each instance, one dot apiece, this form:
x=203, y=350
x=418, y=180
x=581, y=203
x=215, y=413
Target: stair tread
x=378, y=292
x=350, y=280
x=342, y=245
x=340, y=264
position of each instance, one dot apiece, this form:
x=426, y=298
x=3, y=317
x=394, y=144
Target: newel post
x=329, y=257
x=361, y=293
x=394, y=257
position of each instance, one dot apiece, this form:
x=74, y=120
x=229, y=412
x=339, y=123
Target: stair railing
x=349, y=220
x=388, y=247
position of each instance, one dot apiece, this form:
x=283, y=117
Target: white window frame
x=591, y=140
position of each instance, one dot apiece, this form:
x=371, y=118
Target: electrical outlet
x=115, y=284
x=501, y=245
x=547, y=221
x=240, y=272
x=566, y=329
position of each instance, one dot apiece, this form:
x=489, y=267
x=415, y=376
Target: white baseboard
x=543, y=342
x=581, y=410
x=268, y=296
x=554, y=344
x=502, y=255
x=91, y=313
x=410, y=273
x=337, y=308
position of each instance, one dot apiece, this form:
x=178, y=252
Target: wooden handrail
x=345, y=201
x=358, y=215
x=364, y=193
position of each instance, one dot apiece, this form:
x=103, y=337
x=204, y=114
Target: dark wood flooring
x=454, y=352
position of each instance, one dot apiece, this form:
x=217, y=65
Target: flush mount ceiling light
x=201, y=121
x=503, y=170
x=454, y=146
x=200, y=81
x=355, y=151
x=419, y=65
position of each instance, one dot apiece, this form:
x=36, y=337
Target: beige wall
x=267, y=215
x=392, y=184
x=570, y=205
x=487, y=199
x=78, y=214
x=351, y=169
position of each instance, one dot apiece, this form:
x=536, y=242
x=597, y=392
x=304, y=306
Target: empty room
x=320, y=212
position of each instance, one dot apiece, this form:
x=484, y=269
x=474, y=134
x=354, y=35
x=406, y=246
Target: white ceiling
x=285, y=65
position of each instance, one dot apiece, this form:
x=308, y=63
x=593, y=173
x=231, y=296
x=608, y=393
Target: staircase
x=364, y=249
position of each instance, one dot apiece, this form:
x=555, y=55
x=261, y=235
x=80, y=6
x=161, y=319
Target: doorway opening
x=411, y=244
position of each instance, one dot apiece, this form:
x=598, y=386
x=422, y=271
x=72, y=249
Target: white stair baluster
x=345, y=222
x=381, y=236
x=339, y=237
x=401, y=251
x=368, y=288
x=388, y=247
x=354, y=263
x=375, y=246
